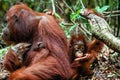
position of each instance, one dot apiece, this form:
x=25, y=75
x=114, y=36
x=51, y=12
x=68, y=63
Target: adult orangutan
x=48, y=63
x=84, y=54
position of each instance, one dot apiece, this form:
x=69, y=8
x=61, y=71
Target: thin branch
x=53, y=6
x=112, y=15
x=82, y=4
x=108, y=12
x=67, y=5
x=83, y=27
x=79, y=28
x=60, y=8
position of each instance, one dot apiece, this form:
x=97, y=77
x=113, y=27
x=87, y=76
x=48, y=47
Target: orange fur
x=49, y=63
x=82, y=62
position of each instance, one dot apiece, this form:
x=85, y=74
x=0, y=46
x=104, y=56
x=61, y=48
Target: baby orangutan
x=84, y=54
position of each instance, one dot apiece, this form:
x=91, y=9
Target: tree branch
x=100, y=31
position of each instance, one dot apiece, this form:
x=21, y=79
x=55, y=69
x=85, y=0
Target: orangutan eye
x=82, y=48
x=76, y=47
x=15, y=18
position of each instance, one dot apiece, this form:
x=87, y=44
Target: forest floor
x=106, y=68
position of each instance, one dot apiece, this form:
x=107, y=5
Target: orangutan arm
x=84, y=58
x=13, y=58
x=11, y=61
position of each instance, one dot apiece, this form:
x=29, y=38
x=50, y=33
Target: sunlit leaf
x=102, y=9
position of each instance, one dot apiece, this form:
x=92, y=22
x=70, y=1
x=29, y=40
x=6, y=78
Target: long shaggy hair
x=51, y=62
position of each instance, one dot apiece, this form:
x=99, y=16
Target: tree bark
x=101, y=30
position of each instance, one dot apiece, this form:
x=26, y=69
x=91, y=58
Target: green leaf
x=98, y=9
x=73, y=16
x=104, y=8
x=78, y=11
x=101, y=10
